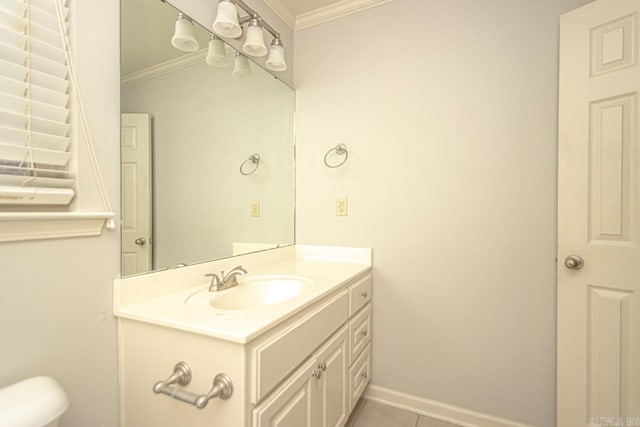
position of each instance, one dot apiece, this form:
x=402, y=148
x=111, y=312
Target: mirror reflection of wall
x=204, y=123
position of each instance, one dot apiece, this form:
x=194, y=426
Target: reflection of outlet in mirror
x=341, y=206
x=254, y=209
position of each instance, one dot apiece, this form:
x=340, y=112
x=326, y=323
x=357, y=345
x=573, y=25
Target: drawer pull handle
x=323, y=366
x=317, y=374
x=364, y=375
x=364, y=333
x=364, y=294
x=222, y=387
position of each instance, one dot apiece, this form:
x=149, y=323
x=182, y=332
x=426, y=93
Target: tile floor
x=373, y=414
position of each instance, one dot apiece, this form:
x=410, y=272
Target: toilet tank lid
x=33, y=402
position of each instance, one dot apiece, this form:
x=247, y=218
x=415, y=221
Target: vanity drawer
x=359, y=332
x=359, y=375
x=359, y=294
x=276, y=358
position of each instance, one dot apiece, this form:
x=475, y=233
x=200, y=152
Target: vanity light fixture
x=241, y=67
x=254, y=40
x=216, y=54
x=275, y=60
x=228, y=24
x=184, y=35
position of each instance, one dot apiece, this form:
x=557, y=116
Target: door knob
x=140, y=241
x=574, y=262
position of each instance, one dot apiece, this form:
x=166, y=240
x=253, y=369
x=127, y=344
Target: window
x=37, y=96
x=34, y=107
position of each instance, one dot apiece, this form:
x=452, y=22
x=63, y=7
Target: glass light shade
x=276, y=61
x=241, y=68
x=226, y=23
x=254, y=41
x=216, y=55
x=184, y=36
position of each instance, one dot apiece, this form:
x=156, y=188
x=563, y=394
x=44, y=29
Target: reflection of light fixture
x=254, y=40
x=184, y=36
x=216, y=54
x=228, y=24
x=276, y=61
x=241, y=67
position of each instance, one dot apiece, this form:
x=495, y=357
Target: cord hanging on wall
x=340, y=150
x=255, y=159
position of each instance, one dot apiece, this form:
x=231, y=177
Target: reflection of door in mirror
x=136, y=193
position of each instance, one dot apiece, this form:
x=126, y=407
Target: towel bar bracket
x=222, y=387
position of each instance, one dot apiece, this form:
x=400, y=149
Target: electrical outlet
x=254, y=209
x=341, y=206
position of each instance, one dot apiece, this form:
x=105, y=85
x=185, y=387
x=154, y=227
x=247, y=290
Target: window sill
x=37, y=225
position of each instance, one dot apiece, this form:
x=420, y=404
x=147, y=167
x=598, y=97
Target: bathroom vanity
x=294, y=338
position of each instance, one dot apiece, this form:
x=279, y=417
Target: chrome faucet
x=225, y=281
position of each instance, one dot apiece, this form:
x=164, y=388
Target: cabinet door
x=330, y=408
x=290, y=405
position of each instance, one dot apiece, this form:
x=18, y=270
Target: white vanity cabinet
x=307, y=370
x=315, y=395
x=323, y=392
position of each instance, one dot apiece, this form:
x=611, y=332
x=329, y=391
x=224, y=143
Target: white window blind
x=35, y=154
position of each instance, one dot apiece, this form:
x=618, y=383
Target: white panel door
x=136, y=193
x=599, y=216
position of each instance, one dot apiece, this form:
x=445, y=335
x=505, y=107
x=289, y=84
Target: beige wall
x=55, y=311
x=449, y=111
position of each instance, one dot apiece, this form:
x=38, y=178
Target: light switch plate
x=341, y=206
x=254, y=209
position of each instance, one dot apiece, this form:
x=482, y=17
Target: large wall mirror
x=207, y=151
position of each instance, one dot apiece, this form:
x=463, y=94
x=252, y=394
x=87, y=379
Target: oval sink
x=261, y=291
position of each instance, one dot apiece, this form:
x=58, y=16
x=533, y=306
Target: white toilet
x=35, y=402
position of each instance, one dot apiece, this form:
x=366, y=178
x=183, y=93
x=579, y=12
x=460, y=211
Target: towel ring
x=255, y=159
x=340, y=150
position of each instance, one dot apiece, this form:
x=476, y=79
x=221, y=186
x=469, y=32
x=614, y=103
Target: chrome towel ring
x=255, y=159
x=340, y=150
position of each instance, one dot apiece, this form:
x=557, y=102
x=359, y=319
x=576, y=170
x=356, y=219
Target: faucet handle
x=215, y=280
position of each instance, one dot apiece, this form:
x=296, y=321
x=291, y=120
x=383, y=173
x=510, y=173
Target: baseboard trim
x=437, y=410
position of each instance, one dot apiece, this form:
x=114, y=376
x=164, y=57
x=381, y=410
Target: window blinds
x=34, y=105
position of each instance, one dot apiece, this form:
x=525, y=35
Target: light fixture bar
x=254, y=15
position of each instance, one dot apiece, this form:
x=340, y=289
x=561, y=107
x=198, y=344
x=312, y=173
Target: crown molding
x=162, y=68
x=167, y=67
x=334, y=11
x=282, y=11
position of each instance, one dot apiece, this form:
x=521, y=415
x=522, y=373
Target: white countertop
x=327, y=268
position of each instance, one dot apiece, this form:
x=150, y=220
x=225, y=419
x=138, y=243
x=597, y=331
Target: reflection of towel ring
x=341, y=150
x=255, y=159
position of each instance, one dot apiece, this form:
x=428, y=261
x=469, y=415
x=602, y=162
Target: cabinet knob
x=323, y=366
x=364, y=294
x=317, y=374
x=364, y=375
x=364, y=333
